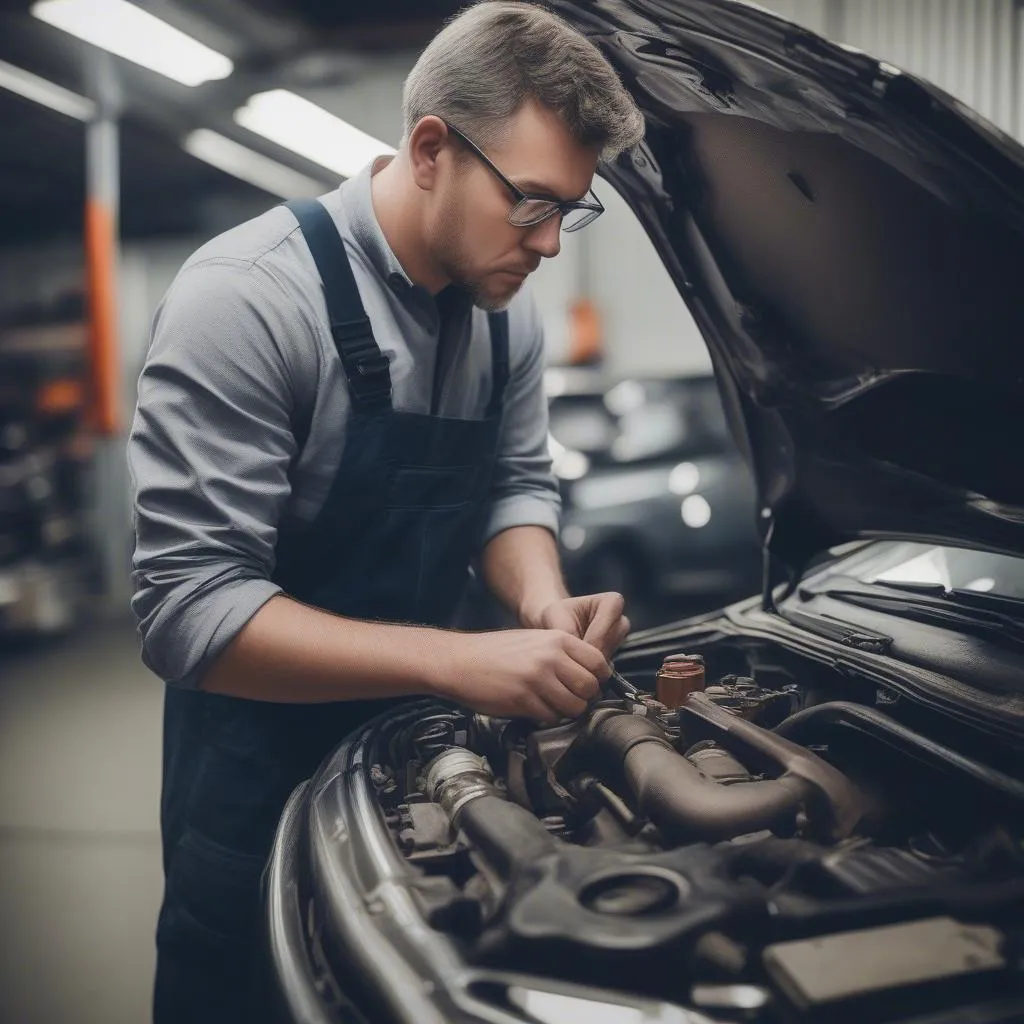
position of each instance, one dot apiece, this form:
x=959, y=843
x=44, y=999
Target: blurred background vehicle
x=658, y=503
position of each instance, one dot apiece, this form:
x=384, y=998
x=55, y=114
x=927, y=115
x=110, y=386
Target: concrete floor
x=80, y=877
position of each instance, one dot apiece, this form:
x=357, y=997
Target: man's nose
x=545, y=238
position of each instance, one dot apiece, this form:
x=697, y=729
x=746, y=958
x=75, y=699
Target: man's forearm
x=522, y=569
x=289, y=652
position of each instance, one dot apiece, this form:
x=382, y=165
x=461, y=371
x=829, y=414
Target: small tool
x=622, y=686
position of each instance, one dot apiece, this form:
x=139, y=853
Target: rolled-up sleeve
x=209, y=453
x=524, y=492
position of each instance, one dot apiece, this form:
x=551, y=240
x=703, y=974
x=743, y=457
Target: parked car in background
x=658, y=503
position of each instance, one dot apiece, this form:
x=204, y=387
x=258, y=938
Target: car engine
x=716, y=849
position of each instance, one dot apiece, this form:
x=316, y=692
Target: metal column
x=110, y=526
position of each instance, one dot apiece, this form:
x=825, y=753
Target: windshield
x=927, y=565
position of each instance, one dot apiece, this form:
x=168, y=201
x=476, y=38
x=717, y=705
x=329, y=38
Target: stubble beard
x=457, y=268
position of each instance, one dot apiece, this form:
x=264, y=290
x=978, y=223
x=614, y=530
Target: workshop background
x=112, y=170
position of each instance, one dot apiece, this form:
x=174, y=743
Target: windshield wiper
x=831, y=628
x=1012, y=606
x=936, y=607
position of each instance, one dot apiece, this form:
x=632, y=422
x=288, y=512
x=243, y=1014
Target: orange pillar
x=586, y=342
x=101, y=262
x=108, y=518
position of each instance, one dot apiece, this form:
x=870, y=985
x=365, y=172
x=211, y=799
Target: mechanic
x=342, y=406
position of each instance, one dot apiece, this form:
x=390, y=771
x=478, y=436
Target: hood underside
x=850, y=241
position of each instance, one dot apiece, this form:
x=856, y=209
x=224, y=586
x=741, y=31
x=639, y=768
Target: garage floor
x=80, y=875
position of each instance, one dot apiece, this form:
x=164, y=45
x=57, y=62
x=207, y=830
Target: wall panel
x=966, y=47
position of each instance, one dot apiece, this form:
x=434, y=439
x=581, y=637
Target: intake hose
x=835, y=806
x=812, y=723
x=678, y=798
x=684, y=804
x=507, y=835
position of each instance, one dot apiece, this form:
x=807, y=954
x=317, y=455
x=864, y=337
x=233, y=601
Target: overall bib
x=393, y=541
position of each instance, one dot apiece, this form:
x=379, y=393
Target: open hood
x=850, y=241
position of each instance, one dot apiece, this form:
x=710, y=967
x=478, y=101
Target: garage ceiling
x=297, y=44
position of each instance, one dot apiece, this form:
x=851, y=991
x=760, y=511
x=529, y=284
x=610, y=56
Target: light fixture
x=573, y=537
x=625, y=397
x=40, y=90
x=696, y=511
x=136, y=35
x=566, y=464
x=684, y=479
x=570, y=465
x=248, y=165
x=301, y=126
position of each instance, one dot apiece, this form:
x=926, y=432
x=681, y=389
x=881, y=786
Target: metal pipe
x=457, y=777
x=507, y=835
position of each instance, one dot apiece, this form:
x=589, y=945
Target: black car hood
x=850, y=241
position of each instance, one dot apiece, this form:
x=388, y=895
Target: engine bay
x=733, y=848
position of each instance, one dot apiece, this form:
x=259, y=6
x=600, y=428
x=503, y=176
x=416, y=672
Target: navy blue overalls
x=393, y=541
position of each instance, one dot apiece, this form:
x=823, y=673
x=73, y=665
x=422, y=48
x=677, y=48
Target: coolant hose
x=806, y=725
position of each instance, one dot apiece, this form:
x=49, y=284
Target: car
x=657, y=501
x=807, y=806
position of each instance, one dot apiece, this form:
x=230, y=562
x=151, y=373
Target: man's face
x=471, y=238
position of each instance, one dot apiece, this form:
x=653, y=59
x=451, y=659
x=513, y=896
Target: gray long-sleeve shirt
x=241, y=351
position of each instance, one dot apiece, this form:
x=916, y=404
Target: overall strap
x=366, y=367
x=498, y=324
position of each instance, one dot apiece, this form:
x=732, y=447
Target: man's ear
x=427, y=150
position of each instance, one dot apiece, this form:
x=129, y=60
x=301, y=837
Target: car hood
x=850, y=241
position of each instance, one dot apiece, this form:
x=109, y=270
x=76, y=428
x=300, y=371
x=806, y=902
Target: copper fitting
x=679, y=676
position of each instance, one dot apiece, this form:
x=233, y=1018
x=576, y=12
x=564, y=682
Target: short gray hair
x=494, y=56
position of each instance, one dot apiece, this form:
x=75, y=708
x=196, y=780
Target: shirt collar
x=357, y=201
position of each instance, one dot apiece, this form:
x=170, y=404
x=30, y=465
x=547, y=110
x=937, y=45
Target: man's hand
x=544, y=674
x=595, y=618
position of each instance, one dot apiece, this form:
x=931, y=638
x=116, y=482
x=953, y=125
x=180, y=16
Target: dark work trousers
x=392, y=542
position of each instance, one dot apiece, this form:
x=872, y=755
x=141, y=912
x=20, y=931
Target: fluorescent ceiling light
x=135, y=34
x=251, y=166
x=304, y=128
x=39, y=90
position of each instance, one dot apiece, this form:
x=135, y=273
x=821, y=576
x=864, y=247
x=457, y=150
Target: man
x=341, y=407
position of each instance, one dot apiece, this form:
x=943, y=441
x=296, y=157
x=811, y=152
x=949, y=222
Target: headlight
x=696, y=511
x=684, y=479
